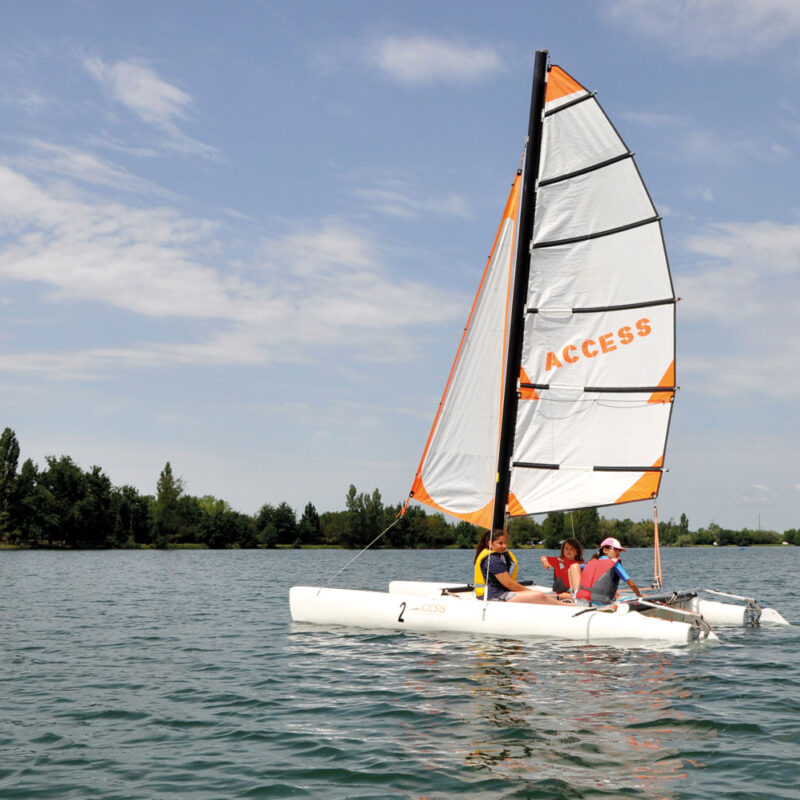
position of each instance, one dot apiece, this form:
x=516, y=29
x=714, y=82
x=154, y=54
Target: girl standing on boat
x=493, y=560
x=566, y=567
x=601, y=576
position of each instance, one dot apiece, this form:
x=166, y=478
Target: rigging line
x=578, y=172
x=364, y=550
x=588, y=403
x=599, y=234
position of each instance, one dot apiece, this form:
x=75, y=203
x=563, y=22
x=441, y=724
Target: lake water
x=136, y=674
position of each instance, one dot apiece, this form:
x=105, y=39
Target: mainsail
x=596, y=377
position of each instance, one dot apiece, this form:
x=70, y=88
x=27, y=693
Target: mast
x=521, y=273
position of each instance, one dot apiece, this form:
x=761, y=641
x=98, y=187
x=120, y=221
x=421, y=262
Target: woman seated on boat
x=601, y=576
x=566, y=567
x=495, y=560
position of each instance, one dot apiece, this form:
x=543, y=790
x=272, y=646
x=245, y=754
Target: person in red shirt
x=566, y=567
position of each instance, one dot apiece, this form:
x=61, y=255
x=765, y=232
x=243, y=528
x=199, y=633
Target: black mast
x=518, y=303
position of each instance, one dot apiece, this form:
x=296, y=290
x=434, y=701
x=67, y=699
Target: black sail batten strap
x=627, y=469
x=565, y=106
x=621, y=307
x=609, y=389
x=592, y=168
x=535, y=465
x=631, y=389
x=599, y=234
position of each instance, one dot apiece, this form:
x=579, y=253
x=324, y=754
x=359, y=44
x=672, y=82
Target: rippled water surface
x=133, y=674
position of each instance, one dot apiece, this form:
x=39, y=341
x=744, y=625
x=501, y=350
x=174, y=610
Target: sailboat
x=561, y=393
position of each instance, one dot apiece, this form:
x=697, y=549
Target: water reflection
x=593, y=719
x=548, y=719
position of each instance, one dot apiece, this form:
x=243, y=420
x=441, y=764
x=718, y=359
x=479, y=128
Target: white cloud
x=152, y=99
x=71, y=162
x=688, y=142
x=314, y=288
x=396, y=203
x=756, y=495
x=138, y=88
x=763, y=249
x=704, y=193
x=745, y=284
x=419, y=60
x=655, y=119
x=716, y=29
x=746, y=273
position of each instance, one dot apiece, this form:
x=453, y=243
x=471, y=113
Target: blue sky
x=243, y=237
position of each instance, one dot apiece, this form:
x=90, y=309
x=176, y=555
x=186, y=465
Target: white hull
x=464, y=614
x=715, y=613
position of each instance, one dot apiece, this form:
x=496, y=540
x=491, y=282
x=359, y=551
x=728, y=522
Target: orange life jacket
x=561, y=572
x=599, y=582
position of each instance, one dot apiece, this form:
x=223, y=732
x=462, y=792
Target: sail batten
x=597, y=234
x=569, y=104
x=585, y=170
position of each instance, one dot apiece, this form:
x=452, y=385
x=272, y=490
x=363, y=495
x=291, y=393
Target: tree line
x=62, y=505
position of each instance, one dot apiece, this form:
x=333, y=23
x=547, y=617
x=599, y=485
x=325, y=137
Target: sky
x=243, y=237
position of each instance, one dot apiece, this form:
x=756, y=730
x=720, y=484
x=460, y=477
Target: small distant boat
x=561, y=393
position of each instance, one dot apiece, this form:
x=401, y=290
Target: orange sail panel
x=560, y=84
x=458, y=468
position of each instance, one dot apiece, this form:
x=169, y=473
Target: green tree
x=553, y=530
x=9, y=458
x=286, y=524
x=308, y=529
x=219, y=525
x=166, y=522
x=523, y=531
x=266, y=532
x=131, y=513
x=93, y=512
x=467, y=535
x=36, y=520
x=67, y=485
x=365, y=517
x=587, y=525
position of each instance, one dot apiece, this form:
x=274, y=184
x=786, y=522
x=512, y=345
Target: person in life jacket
x=496, y=571
x=566, y=567
x=602, y=574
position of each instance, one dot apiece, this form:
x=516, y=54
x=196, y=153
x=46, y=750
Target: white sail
x=598, y=351
x=458, y=468
x=599, y=340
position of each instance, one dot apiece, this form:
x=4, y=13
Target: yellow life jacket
x=479, y=578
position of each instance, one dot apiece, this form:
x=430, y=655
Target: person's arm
x=634, y=588
x=623, y=575
x=545, y=562
x=509, y=583
x=574, y=574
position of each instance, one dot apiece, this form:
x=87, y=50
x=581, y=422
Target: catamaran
x=561, y=392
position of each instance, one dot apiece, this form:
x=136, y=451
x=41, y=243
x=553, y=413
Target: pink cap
x=611, y=542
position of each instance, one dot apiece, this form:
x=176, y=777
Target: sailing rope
x=657, y=550
x=363, y=550
x=486, y=577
